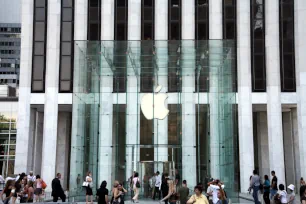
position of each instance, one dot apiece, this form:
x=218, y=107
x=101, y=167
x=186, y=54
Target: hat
x=291, y=187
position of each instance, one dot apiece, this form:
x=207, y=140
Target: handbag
x=85, y=184
x=43, y=184
x=137, y=184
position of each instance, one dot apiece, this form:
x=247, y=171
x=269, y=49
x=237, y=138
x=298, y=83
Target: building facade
x=10, y=37
x=86, y=65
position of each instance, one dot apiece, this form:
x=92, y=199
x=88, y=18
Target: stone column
x=263, y=144
x=39, y=127
x=300, y=69
x=215, y=46
x=106, y=96
x=51, y=92
x=296, y=147
x=189, y=166
x=63, y=146
x=24, y=107
x=161, y=37
x=289, y=147
x=245, y=117
x=274, y=108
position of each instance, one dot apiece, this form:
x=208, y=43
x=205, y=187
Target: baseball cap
x=291, y=187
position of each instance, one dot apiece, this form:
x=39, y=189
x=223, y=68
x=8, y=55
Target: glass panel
x=118, y=129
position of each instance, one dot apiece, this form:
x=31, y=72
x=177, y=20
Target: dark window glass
x=174, y=18
x=94, y=20
x=147, y=20
x=39, y=45
x=66, y=57
x=121, y=19
x=287, y=52
x=229, y=32
x=258, y=46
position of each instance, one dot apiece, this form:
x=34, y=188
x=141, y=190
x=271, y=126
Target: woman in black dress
x=102, y=193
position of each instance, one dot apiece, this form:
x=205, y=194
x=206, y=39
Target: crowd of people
x=274, y=192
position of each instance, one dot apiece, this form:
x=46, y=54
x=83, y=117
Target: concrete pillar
x=215, y=33
x=134, y=20
x=161, y=37
x=263, y=144
x=289, y=147
x=106, y=96
x=63, y=146
x=39, y=129
x=274, y=109
x=245, y=117
x=296, y=147
x=189, y=166
x=51, y=92
x=300, y=69
x=24, y=107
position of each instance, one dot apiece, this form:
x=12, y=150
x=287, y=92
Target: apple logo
x=153, y=105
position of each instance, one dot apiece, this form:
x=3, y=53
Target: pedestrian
x=89, y=182
x=121, y=194
x=157, y=186
x=17, y=189
x=102, y=193
x=183, y=193
x=38, y=188
x=255, y=184
x=198, y=197
x=303, y=196
x=215, y=185
x=31, y=176
x=291, y=196
x=177, y=178
x=30, y=192
x=164, y=186
x=136, y=186
x=152, y=182
x=8, y=191
x=274, y=188
x=266, y=186
x=57, y=190
x=209, y=192
x=282, y=194
x=222, y=197
x=114, y=190
x=171, y=196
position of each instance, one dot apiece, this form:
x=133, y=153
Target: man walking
x=57, y=190
x=274, y=188
x=255, y=183
x=183, y=193
x=157, y=186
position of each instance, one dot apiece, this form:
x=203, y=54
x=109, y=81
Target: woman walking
x=121, y=193
x=9, y=190
x=266, y=186
x=102, y=193
x=30, y=192
x=136, y=186
x=38, y=188
x=172, y=196
x=114, y=191
x=89, y=187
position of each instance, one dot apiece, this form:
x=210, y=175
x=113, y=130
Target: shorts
x=38, y=191
x=88, y=191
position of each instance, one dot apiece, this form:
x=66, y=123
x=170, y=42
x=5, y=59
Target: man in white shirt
x=215, y=187
x=31, y=177
x=157, y=185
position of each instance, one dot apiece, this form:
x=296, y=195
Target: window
x=120, y=60
x=66, y=53
x=174, y=18
x=287, y=52
x=39, y=45
x=174, y=67
x=147, y=20
x=94, y=19
x=230, y=32
x=258, y=46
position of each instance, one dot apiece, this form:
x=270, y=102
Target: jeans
x=157, y=191
x=255, y=194
x=272, y=193
x=266, y=197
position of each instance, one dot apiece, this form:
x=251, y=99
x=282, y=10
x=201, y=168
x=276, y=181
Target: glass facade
x=8, y=130
x=116, y=132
